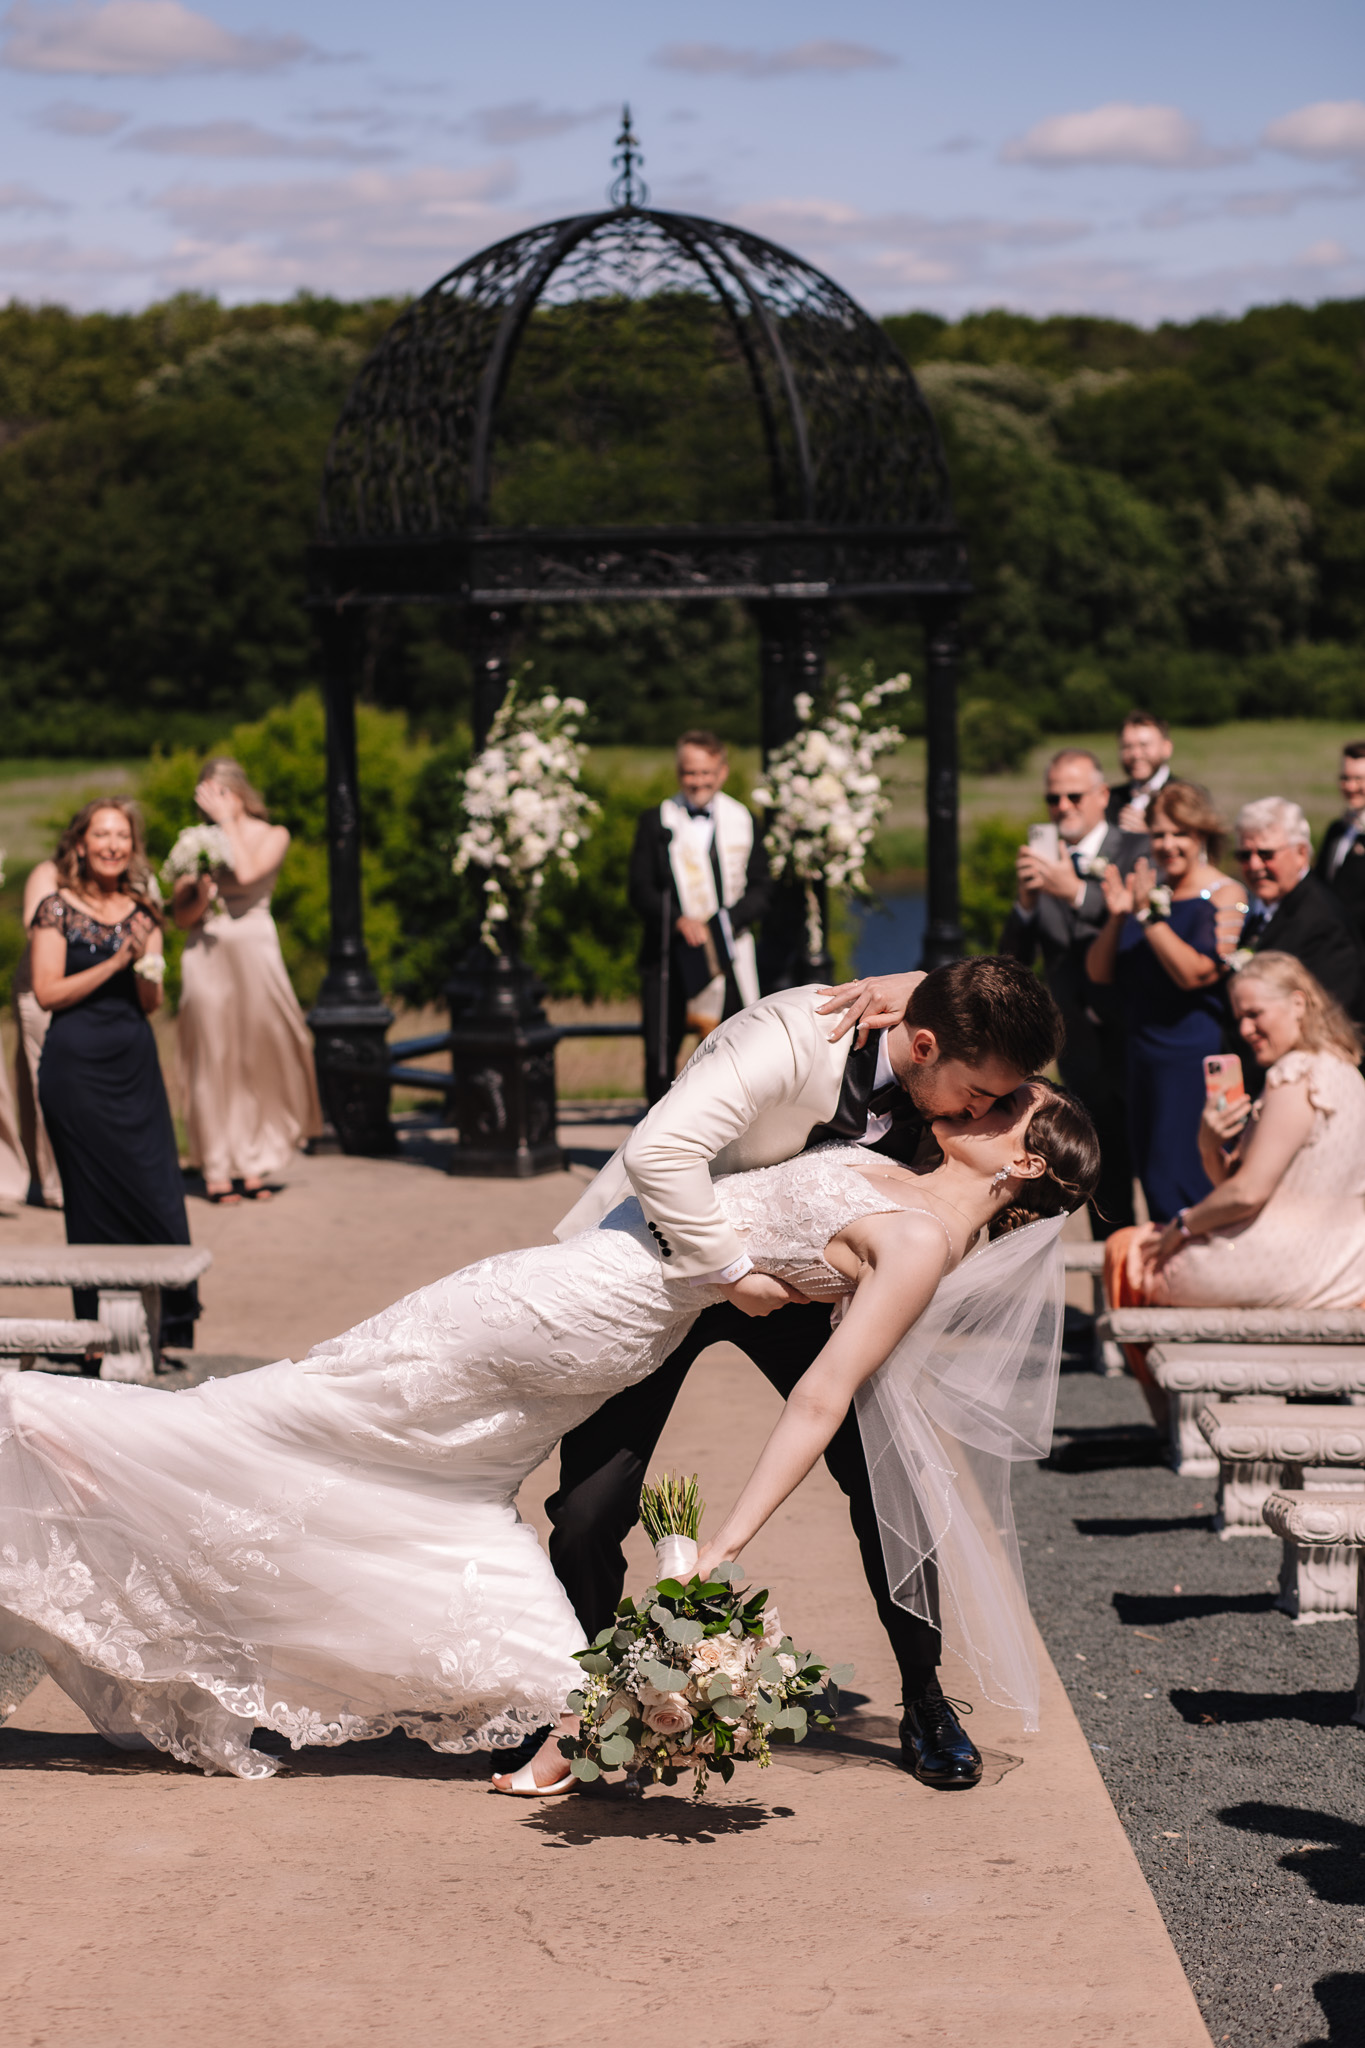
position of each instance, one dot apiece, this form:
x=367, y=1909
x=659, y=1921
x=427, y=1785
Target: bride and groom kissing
x=330, y=1548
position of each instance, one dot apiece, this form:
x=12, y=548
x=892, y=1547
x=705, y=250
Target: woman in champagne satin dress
x=250, y=1093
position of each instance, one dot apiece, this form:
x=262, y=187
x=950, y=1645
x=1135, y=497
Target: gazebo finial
x=628, y=188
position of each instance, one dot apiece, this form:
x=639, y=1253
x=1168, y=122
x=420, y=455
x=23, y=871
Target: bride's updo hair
x=1061, y=1134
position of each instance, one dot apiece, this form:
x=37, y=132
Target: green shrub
x=994, y=738
x=988, y=879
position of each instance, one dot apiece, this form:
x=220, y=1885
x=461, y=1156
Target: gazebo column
x=350, y=1019
x=943, y=652
x=792, y=636
x=490, y=657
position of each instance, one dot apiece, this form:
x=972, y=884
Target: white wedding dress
x=330, y=1548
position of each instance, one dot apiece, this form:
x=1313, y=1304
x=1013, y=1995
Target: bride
x=330, y=1548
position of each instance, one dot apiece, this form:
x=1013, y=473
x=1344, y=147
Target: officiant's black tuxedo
x=1345, y=878
x=604, y=1462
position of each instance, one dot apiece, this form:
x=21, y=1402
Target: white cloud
x=1325, y=255
x=16, y=197
x=135, y=39
x=245, y=139
x=1117, y=133
x=1329, y=128
x=531, y=121
x=69, y=117
x=718, y=60
x=370, y=231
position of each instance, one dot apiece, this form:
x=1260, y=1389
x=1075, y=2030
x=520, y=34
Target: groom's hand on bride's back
x=758, y=1294
x=873, y=1004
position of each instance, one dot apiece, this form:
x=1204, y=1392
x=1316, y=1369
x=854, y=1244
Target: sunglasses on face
x=1265, y=854
x=1068, y=796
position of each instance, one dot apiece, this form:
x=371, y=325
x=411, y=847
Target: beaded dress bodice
x=788, y=1213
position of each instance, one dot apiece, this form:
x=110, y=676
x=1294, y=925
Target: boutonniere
x=1091, y=865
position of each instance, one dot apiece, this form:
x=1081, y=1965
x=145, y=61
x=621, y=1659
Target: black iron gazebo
x=716, y=418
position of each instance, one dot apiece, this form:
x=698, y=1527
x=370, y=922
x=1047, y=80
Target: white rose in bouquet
x=665, y=1713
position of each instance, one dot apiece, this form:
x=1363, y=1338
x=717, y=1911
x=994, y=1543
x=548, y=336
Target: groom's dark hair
x=989, y=1008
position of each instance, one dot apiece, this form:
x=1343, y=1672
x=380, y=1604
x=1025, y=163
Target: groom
x=766, y=1085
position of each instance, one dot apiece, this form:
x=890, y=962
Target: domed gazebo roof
x=635, y=403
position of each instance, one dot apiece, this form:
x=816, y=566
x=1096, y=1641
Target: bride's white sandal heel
x=522, y=1784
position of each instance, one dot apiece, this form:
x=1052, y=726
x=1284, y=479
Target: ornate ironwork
x=632, y=404
x=628, y=188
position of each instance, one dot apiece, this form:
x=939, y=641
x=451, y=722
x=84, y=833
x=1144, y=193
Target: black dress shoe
x=937, y=1748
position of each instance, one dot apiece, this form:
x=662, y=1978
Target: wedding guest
x=698, y=882
x=1341, y=863
x=1145, y=749
x=13, y=1165
x=97, y=970
x=1283, y=1225
x=1162, y=948
x=251, y=1093
x=1059, y=911
x=1292, y=910
x=45, y=1183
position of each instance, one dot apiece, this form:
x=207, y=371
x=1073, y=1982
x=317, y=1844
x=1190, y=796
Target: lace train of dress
x=330, y=1548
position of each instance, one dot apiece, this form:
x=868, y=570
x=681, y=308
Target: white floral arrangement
x=694, y=1676
x=823, y=796
x=199, y=850
x=526, y=813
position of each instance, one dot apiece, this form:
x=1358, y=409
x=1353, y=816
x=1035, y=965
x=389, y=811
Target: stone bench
x=1264, y=1446
x=1322, y=1521
x=1088, y=1258
x=128, y=1279
x=1230, y=1353
x=31, y=1337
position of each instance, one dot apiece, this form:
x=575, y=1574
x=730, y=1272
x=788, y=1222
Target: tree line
x=1173, y=516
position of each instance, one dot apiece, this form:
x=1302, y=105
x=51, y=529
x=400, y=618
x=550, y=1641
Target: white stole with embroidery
x=689, y=856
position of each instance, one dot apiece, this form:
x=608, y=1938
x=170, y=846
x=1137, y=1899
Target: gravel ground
x=1221, y=1729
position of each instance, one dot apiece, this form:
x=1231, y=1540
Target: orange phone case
x=1223, y=1078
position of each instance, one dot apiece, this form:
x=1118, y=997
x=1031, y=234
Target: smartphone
x=1223, y=1082
x=1047, y=840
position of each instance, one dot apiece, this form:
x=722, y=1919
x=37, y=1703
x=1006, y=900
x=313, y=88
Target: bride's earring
x=999, y=1180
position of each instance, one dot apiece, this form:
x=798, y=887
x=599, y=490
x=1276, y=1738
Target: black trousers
x=664, y=1034
x=603, y=1464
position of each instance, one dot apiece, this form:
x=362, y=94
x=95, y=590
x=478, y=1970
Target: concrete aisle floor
x=379, y=1894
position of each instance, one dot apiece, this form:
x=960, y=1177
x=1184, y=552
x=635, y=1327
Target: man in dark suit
x=1292, y=910
x=1059, y=911
x=1145, y=749
x=698, y=881
x=1341, y=864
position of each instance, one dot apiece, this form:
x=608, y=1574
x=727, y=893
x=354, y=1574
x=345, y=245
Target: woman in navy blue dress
x=1168, y=932
x=97, y=966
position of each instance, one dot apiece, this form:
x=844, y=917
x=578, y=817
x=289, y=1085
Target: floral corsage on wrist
x=152, y=967
x=1157, y=908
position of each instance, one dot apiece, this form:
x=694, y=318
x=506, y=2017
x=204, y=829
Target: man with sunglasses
x=1291, y=909
x=1059, y=910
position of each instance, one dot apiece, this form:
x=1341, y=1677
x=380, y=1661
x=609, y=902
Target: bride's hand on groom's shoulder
x=758, y=1294
x=872, y=1004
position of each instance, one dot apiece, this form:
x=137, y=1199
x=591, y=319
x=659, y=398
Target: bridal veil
x=967, y=1393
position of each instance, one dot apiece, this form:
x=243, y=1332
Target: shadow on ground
x=1326, y=1852
x=1313, y=1709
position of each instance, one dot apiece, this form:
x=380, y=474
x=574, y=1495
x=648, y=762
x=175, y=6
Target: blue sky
x=1154, y=161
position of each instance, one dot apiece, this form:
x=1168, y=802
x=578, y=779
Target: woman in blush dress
x=1162, y=946
x=1283, y=1225
x=97, y=970
x=45, y=1183
x=250, y=1091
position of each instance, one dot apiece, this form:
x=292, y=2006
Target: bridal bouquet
x=525, y=810
x=824, y=795
x=693, y=1676
x=198, y=851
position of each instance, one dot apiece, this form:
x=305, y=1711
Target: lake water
x=889, y=934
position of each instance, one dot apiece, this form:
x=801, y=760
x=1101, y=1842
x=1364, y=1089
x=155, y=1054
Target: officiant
x=698, y=882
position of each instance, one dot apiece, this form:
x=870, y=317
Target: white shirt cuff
x=727, y=1275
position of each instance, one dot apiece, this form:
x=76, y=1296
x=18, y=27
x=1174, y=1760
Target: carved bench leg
x=1318, y=1581
x=1189, y=1454
x=1242, y=1491
x=130, y=1357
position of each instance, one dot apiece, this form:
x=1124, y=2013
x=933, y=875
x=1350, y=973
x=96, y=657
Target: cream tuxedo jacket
x=750, y=1095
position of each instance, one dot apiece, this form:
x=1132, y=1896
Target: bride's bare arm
x=903, y=1259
